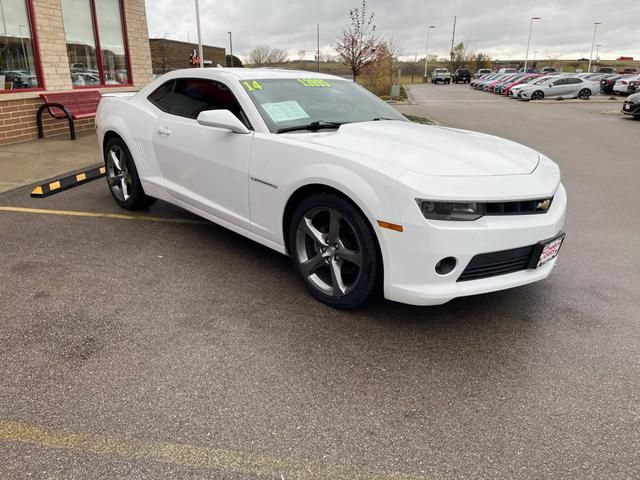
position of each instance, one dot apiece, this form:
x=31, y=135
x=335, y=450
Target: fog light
x=446, y=266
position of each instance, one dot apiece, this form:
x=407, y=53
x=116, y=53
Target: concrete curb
x=410, y=98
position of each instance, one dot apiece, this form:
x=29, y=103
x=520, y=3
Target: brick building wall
x=167, y=55
x=52, y=44
x=18, y=110
x=18, y=120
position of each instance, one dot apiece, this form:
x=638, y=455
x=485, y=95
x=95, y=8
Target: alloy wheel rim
x=118, y=175
x=329, y=252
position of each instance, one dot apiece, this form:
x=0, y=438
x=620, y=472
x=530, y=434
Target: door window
x=161, y=96
x=194, y=95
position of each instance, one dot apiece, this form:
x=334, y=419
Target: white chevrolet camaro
x=316, y=167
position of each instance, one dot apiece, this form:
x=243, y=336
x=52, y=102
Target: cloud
x=499, y=28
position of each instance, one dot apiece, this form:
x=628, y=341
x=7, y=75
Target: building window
x=18, y=62
x=95, y=42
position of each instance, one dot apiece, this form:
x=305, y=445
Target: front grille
x=525, y=207
x=493, y=264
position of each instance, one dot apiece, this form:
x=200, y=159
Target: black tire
x=122, y=177
x=335, y=281
x=584, y=94
x=537, y=95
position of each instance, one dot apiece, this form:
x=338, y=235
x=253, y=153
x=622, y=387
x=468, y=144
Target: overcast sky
x=497, y=28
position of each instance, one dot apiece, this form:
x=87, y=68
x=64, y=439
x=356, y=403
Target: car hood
x=430, y=150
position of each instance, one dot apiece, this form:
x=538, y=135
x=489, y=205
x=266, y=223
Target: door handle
x=163, y=131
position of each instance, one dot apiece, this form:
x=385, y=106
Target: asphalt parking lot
x=155, y=345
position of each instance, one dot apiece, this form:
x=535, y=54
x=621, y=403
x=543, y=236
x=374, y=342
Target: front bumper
x=411, y=256
x=631, y=109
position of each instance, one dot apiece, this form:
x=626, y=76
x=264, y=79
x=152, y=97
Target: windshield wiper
x=377, y=119
x=313, y=126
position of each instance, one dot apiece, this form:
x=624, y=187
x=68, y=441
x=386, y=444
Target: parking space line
x=118, y=216
x=223, y=460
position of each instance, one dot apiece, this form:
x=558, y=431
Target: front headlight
x=456, y=211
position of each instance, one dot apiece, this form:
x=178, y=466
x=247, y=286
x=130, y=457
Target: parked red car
x=492, y=86
x=506, y=88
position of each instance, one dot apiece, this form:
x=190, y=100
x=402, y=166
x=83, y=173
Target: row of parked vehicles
x=538, y=86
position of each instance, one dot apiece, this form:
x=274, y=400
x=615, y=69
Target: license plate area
x=546, y=251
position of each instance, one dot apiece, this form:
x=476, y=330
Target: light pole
x=526, y=57
x=426, y=57
x=598, y=54
x=200, y=59
x=593, y=43
x=230, y=49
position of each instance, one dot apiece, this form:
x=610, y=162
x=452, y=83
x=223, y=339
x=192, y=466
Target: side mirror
x=222, y=119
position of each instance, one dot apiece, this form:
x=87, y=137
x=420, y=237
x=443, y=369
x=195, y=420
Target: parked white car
x=513, y=93
x=441, y=75
x=316, y=167
x=565, y=87
x=621, y=86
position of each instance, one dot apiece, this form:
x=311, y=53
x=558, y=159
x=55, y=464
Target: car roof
x=247, y=73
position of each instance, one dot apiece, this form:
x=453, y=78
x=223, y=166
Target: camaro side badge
x=264, y=183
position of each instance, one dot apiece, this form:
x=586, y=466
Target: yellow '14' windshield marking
x=252, y=86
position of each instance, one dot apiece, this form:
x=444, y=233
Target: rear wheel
x=537, y=95
x=584, y=94
x=122, y=177
x=334, y=250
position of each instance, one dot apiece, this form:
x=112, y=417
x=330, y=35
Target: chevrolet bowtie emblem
x=544, y=205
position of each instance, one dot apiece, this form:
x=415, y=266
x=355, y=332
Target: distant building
x=168, y=55
x=624, y=59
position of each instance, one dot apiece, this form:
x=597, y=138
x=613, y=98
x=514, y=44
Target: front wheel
x=122, y=177
x=334, y=250
x=538, y=95
x=584, y=94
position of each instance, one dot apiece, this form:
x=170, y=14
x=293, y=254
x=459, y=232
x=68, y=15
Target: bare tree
x=357, y=47
x=259, y=55
x=459, y=57
x=302, y=55
x=481, y=60
x=277, y=55
x=392, y=50
x=552, y=58
x=264, y=55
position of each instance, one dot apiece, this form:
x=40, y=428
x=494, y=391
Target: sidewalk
x=30, y=162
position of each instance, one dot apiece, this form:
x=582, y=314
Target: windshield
x=545, y=80
x=287, y=103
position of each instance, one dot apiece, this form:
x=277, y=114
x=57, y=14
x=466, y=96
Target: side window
x=194, y=95
x=574, y=81
x=560, y=81
x=161, y=96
